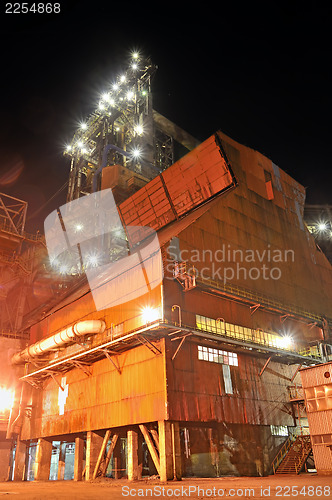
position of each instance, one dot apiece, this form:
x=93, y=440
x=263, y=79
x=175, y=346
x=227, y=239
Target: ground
x=311, y=486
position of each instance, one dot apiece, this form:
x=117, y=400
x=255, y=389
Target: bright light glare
x=83, y=126
x=130, y=94
x=122, y=78
x=285, y=342
x=6, y=399
x=93, y=260
x=322, y=226
x=139, y=130
x=68, y=148
x=136, y=153
x=135, y=55
x=63, y=269
x=149, y=314
x=78, y=227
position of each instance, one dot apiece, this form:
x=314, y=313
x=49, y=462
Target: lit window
x=226, y=371
x=217, y=356
x=279, y=430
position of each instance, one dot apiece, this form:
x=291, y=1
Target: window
x=217, y=356
x=226, y=371
x=279, y=430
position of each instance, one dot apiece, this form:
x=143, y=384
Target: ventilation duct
x=88, y=327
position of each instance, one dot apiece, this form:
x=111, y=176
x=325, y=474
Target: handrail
x=283, y=452
x=263, y=299
x=298, y=462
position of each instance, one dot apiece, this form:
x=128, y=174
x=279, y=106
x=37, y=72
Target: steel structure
x=319, y=222
x=193, y=373
x=121, y=131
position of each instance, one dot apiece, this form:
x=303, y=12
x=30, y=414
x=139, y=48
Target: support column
x=132, y=444
x=43, y=460
x=165, y=450
x=62, y=463
x=5, y=454
x=20, y=459
x=94, y=442
x=176, y=443
x=78, y=463
x=117, y=462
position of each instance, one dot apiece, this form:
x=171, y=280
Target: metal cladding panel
x=190, y=182
x=104, y=399
x=320, y=422
x=196, y=389
x=314, y=375
x=257, y=245
x=323, y=459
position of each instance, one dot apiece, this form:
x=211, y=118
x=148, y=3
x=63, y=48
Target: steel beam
x=151, y=447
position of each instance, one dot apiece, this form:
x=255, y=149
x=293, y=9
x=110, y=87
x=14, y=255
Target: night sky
x=262, y=75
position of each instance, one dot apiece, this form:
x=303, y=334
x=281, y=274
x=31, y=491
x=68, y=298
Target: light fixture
x=139, y=129
x=115, y=86
x=136, y=153
x=135, y=55
x=80, y=144
x=101, y=106
x=68, y=147
x=63, y=269
x=130, y=94
x=122, y=78
x=78, y=227
x=106, y=97
x=150, y=314
x=285, y=342
x=322, y=226
x=134, y=66
x=92, y=260
x=6, y=399
x=83, y=126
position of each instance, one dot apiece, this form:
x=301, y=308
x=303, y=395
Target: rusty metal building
x=316, y=382
x=195, y=376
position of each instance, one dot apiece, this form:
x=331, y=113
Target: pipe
x=67, y=335
x=174, y=307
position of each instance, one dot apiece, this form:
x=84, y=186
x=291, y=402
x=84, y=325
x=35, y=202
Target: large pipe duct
x=88, y=327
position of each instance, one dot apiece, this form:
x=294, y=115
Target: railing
x=295, y=392
x=261, y=299
x=283, y=452
x=301, y=451
x=14, y=335
x=300, y=448
x=252, y=336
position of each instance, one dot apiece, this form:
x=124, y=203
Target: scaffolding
x=122, y=132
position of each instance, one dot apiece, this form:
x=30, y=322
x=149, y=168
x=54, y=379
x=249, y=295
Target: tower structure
x=123, y=133
x=191, y=373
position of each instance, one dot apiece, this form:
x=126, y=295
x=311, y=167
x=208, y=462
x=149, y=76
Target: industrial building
x=317, y=387
x=166, y=336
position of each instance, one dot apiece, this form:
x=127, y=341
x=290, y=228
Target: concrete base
x=43, y=460
x=5, y=449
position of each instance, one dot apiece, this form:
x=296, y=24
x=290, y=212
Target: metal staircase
x=293, y=455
